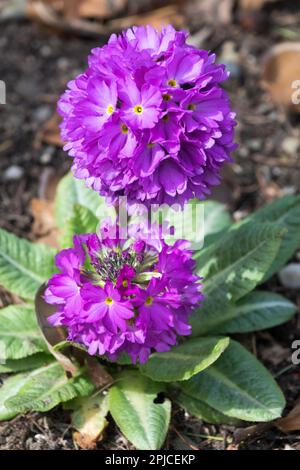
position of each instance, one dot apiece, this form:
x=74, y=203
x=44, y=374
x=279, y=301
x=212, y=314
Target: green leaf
x=83, y=220
x=232, y=267
x=72, y=191
x=48, y=386
x=203, y=411
x=237, y=385
x=24, y=266
x=216, y=217
x=285, y=212
x=20, y=365
x=185, y=360
x=10, y=387
x=131, y=403
x=89, y=418
x=258, y=310
x=19, y=332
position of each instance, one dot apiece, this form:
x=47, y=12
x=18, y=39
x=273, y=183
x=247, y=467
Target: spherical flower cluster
x=115, y=297
x=148, y=119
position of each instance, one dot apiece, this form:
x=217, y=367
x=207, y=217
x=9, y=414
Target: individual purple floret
x=148, y=118
x=115, y=297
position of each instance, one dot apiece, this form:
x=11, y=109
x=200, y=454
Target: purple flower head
x=148, y=118
x=115, y=296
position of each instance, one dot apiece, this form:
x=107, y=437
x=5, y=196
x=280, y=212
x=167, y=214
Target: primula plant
x=127, y=325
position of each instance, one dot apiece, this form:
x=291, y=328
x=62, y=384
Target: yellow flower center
x=110, y=109
x=191, y=107
x=109, y=301
x=149, y=301
x=125, y=283
x=150, y=146
x=167, y=97
x=138, y=109
x=172, y=82
x=124, y=129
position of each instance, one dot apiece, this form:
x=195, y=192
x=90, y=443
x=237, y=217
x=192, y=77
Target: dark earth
x=36, y=65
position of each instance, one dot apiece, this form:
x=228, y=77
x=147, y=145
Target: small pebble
x=47, y=155
x=13, y=173
x=290, y=145
x=290, y=276
x=42, y=113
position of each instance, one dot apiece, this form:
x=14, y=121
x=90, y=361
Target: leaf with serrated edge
x=24, y=266
x=258, y=310
x=10, y=387
x=131, y=403
x=285, y=212
x=237, y=385
x=233, y=267
x=83, y=220
x=185, y=360
x=19, y=332
x=71, y=191
x=47, y=387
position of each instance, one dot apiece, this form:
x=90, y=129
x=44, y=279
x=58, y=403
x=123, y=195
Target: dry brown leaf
x=50, y=132
x=101, y=8
x=251, y=5
x=90, y=422
x=157, y=18
x=44, y=228
x=251, y=432
x=73, y=16
x=281, y=69
x=291, y=422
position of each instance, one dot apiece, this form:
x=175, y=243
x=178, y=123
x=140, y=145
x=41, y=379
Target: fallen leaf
x=253, y=4
x=157, y=18
x=251, y=432
x=43, y=227
x=291, y=422
x=281, y=73
x=89, y=421
x=50, y=132
x=103, y=17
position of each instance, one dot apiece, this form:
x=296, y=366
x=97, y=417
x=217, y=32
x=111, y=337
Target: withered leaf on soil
x=44, y=229
x=253, y=4
x=50, y=132
x=74, y=16
x=291, y=422
x=90, y=422
x=281, y=72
